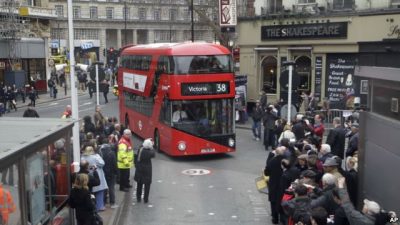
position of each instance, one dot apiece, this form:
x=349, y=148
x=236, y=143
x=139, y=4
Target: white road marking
x=86, y=103
x=53, y=103
x=170, y=208
x=234, y=217
x=150, y=206
x=229, y=189
x=189, y=211
x=211, y=214
x=191, y=185
x=159, y=181
x=210, y=186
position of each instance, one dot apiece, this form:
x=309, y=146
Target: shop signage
x=227, y=13
x=318, y=77
x=394, y=31
x=37, y=11
x=87, y=45
x=189, y=89
x=340, y=84
x=311, y=31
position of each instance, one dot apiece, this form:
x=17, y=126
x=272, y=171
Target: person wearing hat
x=97, y=163
x=302, y=162
x=353, y=141
x=369, y=211
x=143, y=173
x=331, y=166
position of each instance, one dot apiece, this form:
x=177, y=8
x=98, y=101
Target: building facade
x=322, y=38
x=24, y=35
x=101, y=25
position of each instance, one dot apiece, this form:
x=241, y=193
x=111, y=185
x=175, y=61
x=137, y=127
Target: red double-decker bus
x=179, y=94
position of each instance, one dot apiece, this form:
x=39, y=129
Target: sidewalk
x=45, y=98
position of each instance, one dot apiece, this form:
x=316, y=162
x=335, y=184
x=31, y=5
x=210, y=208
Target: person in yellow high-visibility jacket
x=125, y=160
x=7, y=205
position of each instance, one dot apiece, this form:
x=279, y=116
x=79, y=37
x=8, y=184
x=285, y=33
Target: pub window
x=142, y=14
x=306, y=1
x=342, y=4
x=269, y=74
x=303, y=70
x=93, y=12
x=59, y=10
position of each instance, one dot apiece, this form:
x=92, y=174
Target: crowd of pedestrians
x=107, y=157
x=312, y=181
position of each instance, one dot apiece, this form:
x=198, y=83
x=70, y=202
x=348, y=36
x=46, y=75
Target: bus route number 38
x=221, y=88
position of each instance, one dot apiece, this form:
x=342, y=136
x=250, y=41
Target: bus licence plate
x=207, y=150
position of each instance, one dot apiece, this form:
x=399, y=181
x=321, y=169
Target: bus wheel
x=157, y=141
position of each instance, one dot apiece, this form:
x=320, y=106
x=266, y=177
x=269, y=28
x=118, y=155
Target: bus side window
x=165, y=114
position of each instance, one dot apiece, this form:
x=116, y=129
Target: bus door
x=164, y=130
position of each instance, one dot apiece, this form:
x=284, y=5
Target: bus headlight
x=182, y=146
x=231, y=142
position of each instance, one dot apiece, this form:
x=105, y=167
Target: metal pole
x=290, y=94
x=59, y=34
x=97, y=84
x=192, y=19
x=125, y=15
x=74, y=92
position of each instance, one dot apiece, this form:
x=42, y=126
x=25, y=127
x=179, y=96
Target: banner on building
x=227, y=13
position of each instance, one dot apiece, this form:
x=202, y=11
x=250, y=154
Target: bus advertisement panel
x=181, y=95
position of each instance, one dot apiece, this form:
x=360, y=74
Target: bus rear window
x=203, y=64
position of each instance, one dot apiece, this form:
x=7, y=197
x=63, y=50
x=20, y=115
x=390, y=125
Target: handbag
x=262, y=184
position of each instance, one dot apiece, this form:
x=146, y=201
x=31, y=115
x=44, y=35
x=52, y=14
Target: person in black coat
x=110, y=168
x=351, y=178
x=290, y=174
x=298, y=127
x=81, y=200
x=30, y=112
x=353, y=141
x=273, y=169
x=94, y=179
x=143, y=173
x=336, y=138
x=88, y=125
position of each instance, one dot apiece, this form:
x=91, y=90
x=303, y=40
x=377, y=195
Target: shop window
x=77, y=12
x=109, y=12
x=9, y=187
x=157, y=14
x=142, y=13
x=269, y=74
x=303, y=70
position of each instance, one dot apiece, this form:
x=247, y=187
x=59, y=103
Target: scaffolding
x=12, y=28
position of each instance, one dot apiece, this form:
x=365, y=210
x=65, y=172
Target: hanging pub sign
x=298, y=31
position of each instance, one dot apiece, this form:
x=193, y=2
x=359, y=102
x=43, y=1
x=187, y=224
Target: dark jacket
x=353, y=215
x=301, y=202
x=326, y=200
x=336, y=139
x=288, y=176
x=143, y=173
x=352, y=185
x=30, y=113
x=94, y=179
x=353, y=145
x=110, y=167
x=257, y=114
x=81, y=201
x=269, y=120
x=298, y=130
x=274, y=171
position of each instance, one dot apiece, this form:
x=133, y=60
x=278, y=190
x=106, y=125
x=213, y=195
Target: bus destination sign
x=189, y=89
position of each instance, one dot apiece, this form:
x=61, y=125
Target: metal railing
x=330, y=114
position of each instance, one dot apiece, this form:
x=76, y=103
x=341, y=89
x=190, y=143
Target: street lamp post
x=59, y=34
x=125, y=17
x=192, y=19
x=74, y=94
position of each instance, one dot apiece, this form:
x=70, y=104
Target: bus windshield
x=201, y=117
x=202, y=64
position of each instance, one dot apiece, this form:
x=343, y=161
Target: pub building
x=325, y=49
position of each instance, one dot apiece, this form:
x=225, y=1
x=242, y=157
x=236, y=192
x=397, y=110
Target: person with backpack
x=32, y=97
x=257, y=115
x=298, y=208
